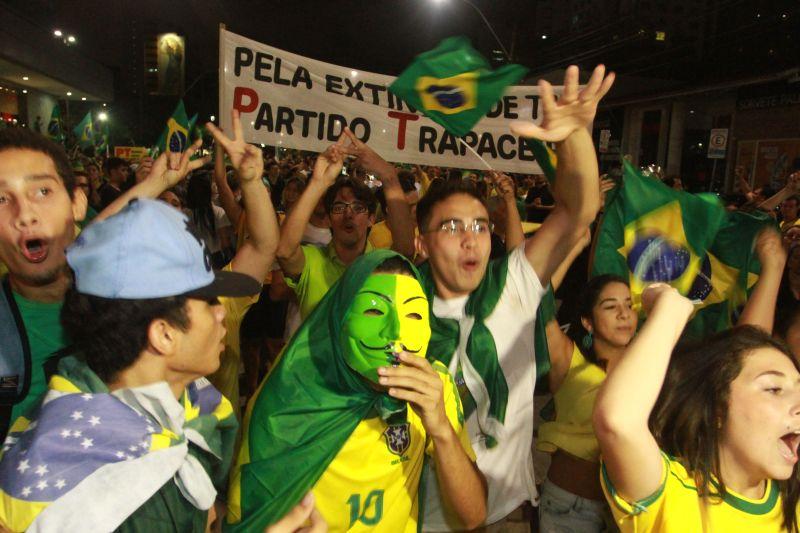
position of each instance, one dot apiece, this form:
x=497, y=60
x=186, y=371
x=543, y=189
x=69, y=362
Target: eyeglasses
x=455, y=227
x=356, y=207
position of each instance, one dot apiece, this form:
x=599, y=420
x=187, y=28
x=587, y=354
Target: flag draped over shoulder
x=84, y=131
x=55, y=128
x=176, y=133
x=453, y=84
x=652, y=233
x=55, y=469
x=304, y=411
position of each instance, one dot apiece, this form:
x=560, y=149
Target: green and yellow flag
x=652, y=233
x=84, y=131
x=100, y=136
x=453, y=84
x=176, y=134
x=55, y=128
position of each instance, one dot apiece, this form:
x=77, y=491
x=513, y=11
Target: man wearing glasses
x=483, y=313
x=309, y=270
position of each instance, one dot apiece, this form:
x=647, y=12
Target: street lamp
x=102, y=116
x=71, y=39
x=57, y=33
x=477, y=9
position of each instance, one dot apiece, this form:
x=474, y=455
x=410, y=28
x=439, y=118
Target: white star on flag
x=87, y=443
x=41, y=470
x=76, y=415
x=120, y=455
x=86, y=396
x=144, y=444
x=94, y=420
x=60, y=484
x=66, y=433
x=26, y=491
x=150, y=429
x=77, y=433
x=23, y=466
x=132, y=448
x=41, y=485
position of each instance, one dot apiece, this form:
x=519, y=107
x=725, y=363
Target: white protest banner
x=296, y=102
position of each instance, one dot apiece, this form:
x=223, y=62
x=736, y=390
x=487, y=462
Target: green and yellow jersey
x=676, y=507
x=372, y=483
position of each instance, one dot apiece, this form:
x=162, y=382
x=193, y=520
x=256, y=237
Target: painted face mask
x=388, y=315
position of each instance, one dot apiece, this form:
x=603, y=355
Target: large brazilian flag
x=84, y=131
x=652, y=233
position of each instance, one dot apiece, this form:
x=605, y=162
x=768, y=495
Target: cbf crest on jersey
x=398, y=438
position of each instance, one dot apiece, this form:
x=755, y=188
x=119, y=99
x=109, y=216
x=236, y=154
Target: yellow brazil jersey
x=675, y=507
x=372, y=483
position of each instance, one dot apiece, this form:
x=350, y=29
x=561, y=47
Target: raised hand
x=769, y=249
x=573, y=111
x=367, y=158
x=172, y=167
x=659, y=293
x=144, y=168
x=416, y=382
x=329, y=163
x=504, y=184
x=247, y=160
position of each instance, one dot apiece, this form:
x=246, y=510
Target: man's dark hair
x=111, y=333
x=114, y=163
x=360, y=191
x=26, y=139
x=439, y=193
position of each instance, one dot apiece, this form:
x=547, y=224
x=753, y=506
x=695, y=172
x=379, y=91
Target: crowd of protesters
x=263, y=341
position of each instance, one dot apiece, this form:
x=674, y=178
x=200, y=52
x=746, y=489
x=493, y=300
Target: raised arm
x=759, y=310
x=257, y=253
x=559, y=344
x=398, y=213
x=167, y=171
x=232, y=209
x=576, y=186
x=326, y=170
x=629, y=393
x=462, y=485
x=505, y=186
x=792, y=188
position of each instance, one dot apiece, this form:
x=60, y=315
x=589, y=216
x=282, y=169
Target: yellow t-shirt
x=572, y=430
x=380, y=236
x=226, y=378
x=372, y=483
x=676, y=508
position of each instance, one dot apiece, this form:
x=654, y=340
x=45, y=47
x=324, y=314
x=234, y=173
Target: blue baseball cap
x=149, y=250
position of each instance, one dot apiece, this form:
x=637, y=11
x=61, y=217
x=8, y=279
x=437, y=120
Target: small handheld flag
x=55, y=130
x=176, y=134
x=453, y=84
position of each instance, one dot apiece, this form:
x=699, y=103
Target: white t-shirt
x=508, y=466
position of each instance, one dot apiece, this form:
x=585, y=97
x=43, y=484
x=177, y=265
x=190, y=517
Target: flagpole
x=468, y=147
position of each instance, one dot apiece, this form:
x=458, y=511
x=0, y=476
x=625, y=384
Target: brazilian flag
x=545, y=156
x=652, y=233
x=55, y=128
x=101, y=133
x=84, y=131
x=175, y=136
x=453, y=84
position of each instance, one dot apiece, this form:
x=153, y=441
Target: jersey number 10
x=370, y=512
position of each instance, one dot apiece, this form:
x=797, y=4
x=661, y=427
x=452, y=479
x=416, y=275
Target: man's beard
x=41, y=279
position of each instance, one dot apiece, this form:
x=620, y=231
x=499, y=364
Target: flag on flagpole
x=55, y=128
x=84, y=131
x=453, y=84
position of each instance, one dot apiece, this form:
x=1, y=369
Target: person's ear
x=420, y=246
x=587, y=324
x=162, y=337
x=79, y=204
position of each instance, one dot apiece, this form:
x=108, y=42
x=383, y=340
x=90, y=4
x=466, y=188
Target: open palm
x=573, y=111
